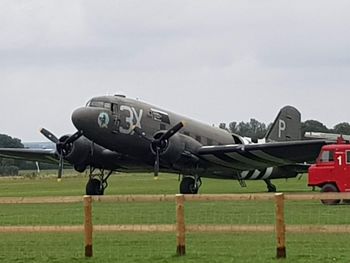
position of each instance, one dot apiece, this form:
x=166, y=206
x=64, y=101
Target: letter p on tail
x=286, y=127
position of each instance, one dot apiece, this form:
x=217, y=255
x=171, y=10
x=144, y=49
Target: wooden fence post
x=280, y=226
x=88, y=225
x=180, y=225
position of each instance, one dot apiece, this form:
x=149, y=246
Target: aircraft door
x=116, y=116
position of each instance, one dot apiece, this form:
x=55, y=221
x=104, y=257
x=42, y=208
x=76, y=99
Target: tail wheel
x=330, y=188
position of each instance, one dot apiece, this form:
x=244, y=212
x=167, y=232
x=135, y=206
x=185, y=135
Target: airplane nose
x=80, y=118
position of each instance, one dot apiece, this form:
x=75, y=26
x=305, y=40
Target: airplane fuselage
x=110, y=121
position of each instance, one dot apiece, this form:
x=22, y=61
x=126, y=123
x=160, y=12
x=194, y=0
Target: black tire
x=271, y=188
x=94, y=187
x=330, y=188
x=346, y=201
x=187, y=186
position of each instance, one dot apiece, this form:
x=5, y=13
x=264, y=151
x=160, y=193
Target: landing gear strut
x=190, y=185
x=97, y=182
x=271, y=188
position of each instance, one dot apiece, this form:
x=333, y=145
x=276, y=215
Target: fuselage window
x=198, y=138
x=347, y=156
x=327, y=156
x=160, y=116
x=186, y=133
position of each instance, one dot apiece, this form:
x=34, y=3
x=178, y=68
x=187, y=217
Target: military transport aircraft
x=115, y=133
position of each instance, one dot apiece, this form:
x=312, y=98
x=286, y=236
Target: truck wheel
x=329, y=188
x=346, y=201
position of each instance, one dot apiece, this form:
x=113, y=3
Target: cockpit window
x=99, y=104
x=107, y=106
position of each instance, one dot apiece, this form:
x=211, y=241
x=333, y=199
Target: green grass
x=128, y=247
x=208, y=248
x=46, y=185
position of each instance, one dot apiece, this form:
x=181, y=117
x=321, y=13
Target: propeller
x=62, y=146
x=49, y=135
x=158, y=144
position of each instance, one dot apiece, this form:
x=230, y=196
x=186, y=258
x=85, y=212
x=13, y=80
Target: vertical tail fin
x=286, y=127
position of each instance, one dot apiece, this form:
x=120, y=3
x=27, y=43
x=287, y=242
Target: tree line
x=256, y=129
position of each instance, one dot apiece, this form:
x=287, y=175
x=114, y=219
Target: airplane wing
x=36, y=155
x=260, y=156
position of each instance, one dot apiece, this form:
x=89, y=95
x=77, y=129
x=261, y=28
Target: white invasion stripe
x=246, y=160
x=244, y=174
x=255, y=174
x=216, y=160
x=269, y=157
x=267, y=173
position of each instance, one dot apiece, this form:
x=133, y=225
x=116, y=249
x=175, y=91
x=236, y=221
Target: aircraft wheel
x=94, y=187
x=329, y=188
x=188, y=186
x=271, y=188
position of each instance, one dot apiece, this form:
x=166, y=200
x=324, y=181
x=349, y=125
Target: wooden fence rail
x=180, y=228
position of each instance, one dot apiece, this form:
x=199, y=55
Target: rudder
x=286, y=127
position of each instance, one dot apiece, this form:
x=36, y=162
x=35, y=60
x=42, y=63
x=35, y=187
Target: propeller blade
x=49, y=135
x=60, y=168
x=158, y=143
x=61, y=146
x=156, y=163
x=74, y=137
x=172, y=131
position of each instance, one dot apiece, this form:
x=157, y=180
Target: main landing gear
x=271, y=188
x=190, y=185
x=97, y=182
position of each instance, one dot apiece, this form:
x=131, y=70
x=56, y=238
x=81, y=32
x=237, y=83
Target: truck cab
x=331, y=172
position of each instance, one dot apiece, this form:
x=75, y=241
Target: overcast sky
x=215, y=61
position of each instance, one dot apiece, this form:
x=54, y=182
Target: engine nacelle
x=83, y=153
x=76, y=153
x=173, y=148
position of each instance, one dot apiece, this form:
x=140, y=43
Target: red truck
x=331, y=172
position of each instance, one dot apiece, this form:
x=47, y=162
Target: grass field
x=129, y=247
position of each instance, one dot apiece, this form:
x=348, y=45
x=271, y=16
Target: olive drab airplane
x=115, y=133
